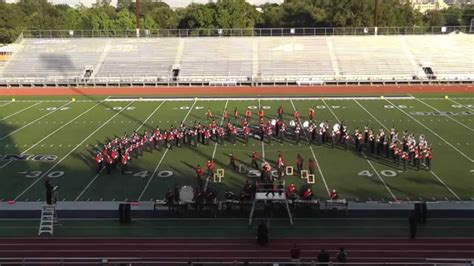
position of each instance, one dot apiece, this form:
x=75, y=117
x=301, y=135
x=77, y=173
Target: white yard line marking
x=314, y=156
x=463, y=105
x=67, y=155
x=215, y=145
x=446, y=186
x=34, y=121
x=433, y=132
x=52, y=133
x=22, y=110
x=461, y=124
x=431, y=171
x=97, y=175
x=380, y=177
x=163, y=156
x=367, y=159
x=7, y=103
x=263, y=140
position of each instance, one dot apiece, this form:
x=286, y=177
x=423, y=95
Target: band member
x=311, y=166
x=291, y=191
x=308, y=194
x=236, y=113
x=199, y=173
x=299, y=163
x=226, y=114
x=109, y=164
x=124, y=162
x=297, y=133
x=246, y=132
x=280, y=113
x=232, y=161
x=334, y=195
x=254, y=160
x=428, y=158
x=169, y=199
x=280, y=165
x=248, y=114
x=99, y=160
x=209, y=114
x=405, y=159
x=210, y=168
x=261, y=114
x=311, y=113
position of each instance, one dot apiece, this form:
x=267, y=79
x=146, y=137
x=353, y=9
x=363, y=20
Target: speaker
x=424, y=213
x=125, y=213
x=418, y=212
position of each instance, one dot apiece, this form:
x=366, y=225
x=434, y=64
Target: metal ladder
x=48, y=219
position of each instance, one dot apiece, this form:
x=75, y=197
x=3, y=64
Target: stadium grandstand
x=62, y=58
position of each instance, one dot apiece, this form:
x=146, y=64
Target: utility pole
x=138, y=12
x=376, y=13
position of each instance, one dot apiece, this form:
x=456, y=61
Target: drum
x=336, y=127
x=306, y=124
x=273, y=122
x=292, y=123
x=186, y=193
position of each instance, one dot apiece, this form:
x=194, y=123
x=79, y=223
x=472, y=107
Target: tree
x=434, y=18
x=196, y=16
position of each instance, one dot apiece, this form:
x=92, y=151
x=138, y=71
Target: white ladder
x=48, y=219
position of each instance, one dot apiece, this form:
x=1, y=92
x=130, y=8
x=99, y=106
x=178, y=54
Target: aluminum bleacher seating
x=266, y=59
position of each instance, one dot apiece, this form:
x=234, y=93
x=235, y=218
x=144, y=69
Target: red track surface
x=359, y=249
x=245, y=90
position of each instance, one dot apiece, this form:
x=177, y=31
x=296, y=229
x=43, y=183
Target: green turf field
x=66, y=131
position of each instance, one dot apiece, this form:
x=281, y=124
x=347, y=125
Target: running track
x=219, y=249
x=243, y=90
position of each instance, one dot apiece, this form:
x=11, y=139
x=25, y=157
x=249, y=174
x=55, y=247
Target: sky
x=172, y=3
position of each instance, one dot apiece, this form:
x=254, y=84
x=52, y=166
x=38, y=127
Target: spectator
x=295, y=253
x=49, y=192
x=323, y=257
x=262, y=234
x=341, y=256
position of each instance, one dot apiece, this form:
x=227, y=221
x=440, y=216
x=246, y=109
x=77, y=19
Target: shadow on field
x=9, y=153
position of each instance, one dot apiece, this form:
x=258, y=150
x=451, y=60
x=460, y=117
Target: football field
x=55, y=138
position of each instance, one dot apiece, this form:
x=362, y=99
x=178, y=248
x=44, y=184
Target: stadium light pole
x=137, y=12
x=376, y=13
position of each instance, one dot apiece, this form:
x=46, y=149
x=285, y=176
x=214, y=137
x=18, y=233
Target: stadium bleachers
x=267, y=59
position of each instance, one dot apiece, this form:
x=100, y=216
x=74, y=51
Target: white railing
x=241, y=32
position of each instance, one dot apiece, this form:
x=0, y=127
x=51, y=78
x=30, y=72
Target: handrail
x=244, y=32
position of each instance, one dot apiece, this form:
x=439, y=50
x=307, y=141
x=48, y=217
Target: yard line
x=97, y=175
x=367, y=111
x=314, y=155
x=262, y=140
x=444, y=184
x=34, y=121
x=367, y=159
x=163, y=156
x=461, y=124
x=50, y=134
x=380, y=178
x=215, y=145
x=77, y=146
x=433, y=132
x=148, y=118
x=463, y=105
x=7, y=103
x=330, y=110
x=431, y=171
x=24, y=109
